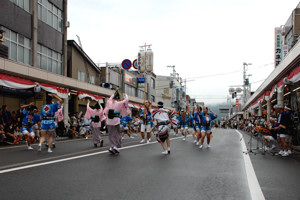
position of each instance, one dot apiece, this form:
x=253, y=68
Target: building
x=283, y=85
x=35, y=36
x=113, y=76
x=287, y=36
x=170, y=90
x=80, y=67
x=35, y=32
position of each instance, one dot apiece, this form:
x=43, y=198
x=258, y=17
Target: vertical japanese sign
x=285, y=50
x=278, y=46
x=237, y=104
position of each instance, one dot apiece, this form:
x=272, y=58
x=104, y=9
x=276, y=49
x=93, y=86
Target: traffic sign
x=126, y=64
x=135, y=64
x=141, y=80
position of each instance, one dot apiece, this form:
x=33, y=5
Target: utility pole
x=245, y=85
x=145, y=74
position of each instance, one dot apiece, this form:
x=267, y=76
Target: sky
x=207, y=41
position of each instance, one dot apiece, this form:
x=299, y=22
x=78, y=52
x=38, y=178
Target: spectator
x=5, y=115
x=9, y=134
x=13, y=117
x=2, y=134
x=1, y=118
x=84, y=129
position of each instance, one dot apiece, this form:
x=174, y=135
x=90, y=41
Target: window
x=25, y=4
x=152, y=83
x=81, y=76
x=114, y=77
x=130, y=90
x=92, y=79
x=50, y=14
x=141, y=94
x=49, y=60
x=19, y=47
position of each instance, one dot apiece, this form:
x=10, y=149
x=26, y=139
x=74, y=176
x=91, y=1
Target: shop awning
x=135, y=105
x=292, y=77
x=20, y=83
x=82, y=95
x=62, y=93
x=16, y=82
x=257, y=102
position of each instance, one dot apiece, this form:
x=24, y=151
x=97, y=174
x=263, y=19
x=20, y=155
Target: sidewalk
x=295, y=148
x=5, y=144
x=278, y=176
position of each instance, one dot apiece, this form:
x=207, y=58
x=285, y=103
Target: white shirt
x=161, y=116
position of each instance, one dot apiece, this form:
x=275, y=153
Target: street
x=77, y=170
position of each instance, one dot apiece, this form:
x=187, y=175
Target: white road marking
x=73, y=158
x=36, y=144
x=254, y=187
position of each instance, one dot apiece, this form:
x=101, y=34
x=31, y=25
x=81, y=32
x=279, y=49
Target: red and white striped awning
x=135, y=105
x=257, y=102
x=62, y=93
x=16, y=82
x=20, y=83
x=82, y=95
x=292, y=77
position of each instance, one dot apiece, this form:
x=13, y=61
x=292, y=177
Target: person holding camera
x=97, y=116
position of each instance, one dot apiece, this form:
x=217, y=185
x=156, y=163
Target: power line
x=258, y=81
x=215, y=75
x=222, y=74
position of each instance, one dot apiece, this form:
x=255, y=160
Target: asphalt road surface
x=77, y=170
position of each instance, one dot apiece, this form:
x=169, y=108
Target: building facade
x=35, y=32
x=171, y=90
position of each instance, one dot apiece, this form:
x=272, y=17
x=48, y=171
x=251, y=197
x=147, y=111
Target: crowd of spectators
x=11, y=123
x=279, y=127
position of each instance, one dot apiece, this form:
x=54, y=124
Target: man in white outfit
x=161, y=119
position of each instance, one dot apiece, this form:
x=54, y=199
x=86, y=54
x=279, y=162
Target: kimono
x=113, y=125
x=95, y=126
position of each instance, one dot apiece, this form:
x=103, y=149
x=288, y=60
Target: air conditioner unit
x=67, y=24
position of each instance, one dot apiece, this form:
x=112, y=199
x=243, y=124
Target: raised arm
x=150, y=106
x=25, y=106
x=213, y=112
x=56, y=97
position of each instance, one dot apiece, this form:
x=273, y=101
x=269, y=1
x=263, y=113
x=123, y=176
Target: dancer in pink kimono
x=113, y=110
x=97, y=117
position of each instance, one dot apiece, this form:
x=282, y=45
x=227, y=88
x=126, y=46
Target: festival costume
x=47, y=114
x=205, y=126
x=112, y=109
x=146, y=124
x=197, y=121
x=27, y=123
x=124, y=122
x=97, y=116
